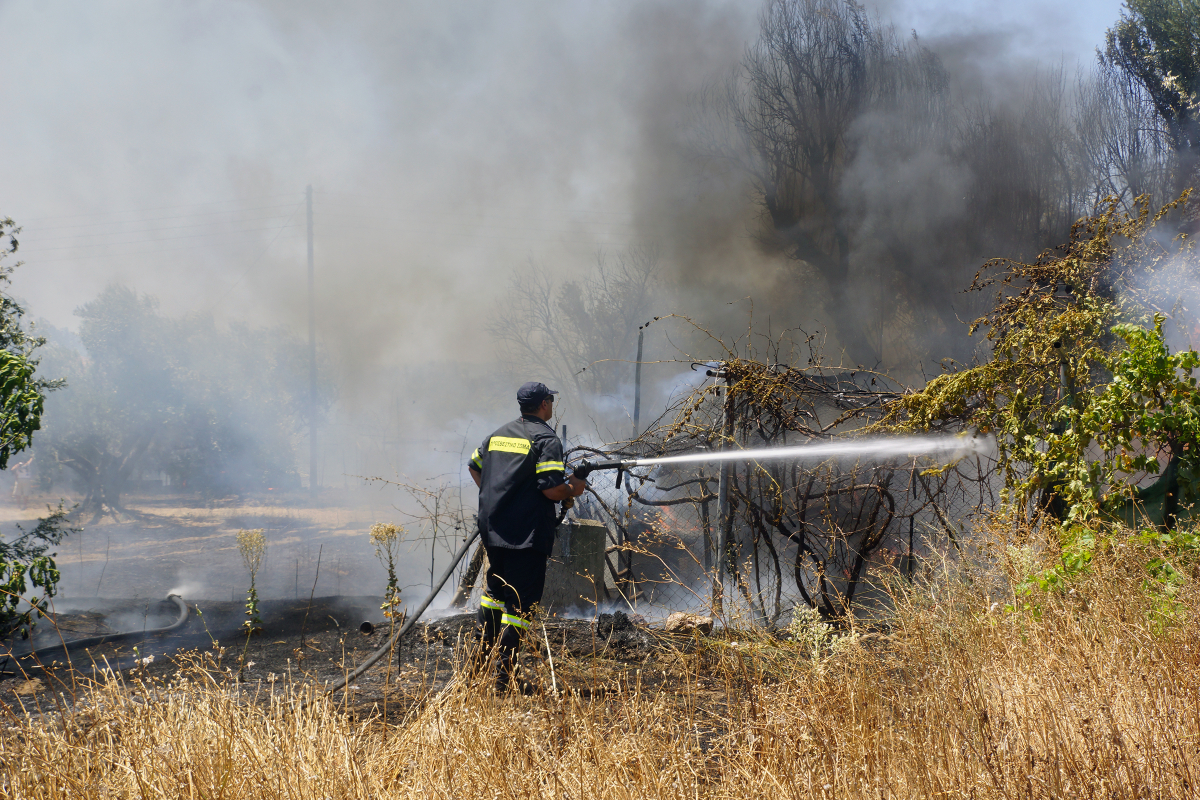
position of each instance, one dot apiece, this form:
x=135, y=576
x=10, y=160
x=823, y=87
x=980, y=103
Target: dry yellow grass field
x=1088, y=694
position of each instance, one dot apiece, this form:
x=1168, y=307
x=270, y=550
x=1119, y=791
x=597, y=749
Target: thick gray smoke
x=881, y=185
x=166, y=149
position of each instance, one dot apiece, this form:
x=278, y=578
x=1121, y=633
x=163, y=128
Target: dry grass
x=1085, y=696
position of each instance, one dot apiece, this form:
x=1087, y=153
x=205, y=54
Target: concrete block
x=576, y=566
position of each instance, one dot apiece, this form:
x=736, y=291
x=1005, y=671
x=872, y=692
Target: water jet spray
x=952, y=447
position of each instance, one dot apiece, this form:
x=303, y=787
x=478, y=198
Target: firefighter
x=520, y=474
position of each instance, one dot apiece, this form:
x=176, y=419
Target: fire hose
x=584, y=469
x=121, y=636
x=408, y=623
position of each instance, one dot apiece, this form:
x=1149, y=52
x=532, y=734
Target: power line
x=207, y=235
x=263, y=254
x=344, y=223
x=231, y=211
x=458, y=213
x=209, y=224
x=344, y=232
x=152, y=251
x=481, y=226
x=148, y=208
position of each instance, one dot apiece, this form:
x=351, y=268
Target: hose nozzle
x=585, y=468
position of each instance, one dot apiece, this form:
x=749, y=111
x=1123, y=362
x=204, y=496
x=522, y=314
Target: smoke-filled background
x=500, y=193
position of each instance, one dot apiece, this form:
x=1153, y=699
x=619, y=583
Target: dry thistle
x=386, y=538
x=252, y=544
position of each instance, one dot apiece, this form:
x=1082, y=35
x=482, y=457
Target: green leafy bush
x=26, y=564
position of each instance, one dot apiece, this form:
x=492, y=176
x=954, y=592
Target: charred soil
x=320, y=642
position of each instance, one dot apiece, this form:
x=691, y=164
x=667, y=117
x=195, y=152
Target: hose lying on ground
x=408, y=623
x=109, y=638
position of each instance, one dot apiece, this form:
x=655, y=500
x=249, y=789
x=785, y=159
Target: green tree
x=22, y=393
x=216, y=409
x=1149, y=410
x=1081, y=391
x=123, y=392
x=24, y=562
x=1158, y=42
x=246, y=397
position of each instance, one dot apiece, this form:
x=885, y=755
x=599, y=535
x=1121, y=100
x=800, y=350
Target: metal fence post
x=724, y=521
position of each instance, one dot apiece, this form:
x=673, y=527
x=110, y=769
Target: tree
x=1124, y=143
x=880, y=184
x=818, y=66
x=24, y=561
x=1081, y=391
x=246, y=398
x=579, y=334
x=214, y=409
x=122, y=393
x=22, y=394
x=1028, y=183
x=1158, y=43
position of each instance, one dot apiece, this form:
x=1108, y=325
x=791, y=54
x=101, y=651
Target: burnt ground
x=319, y=642
x=180, y=544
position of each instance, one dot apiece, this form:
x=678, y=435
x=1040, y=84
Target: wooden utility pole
x=312, y=357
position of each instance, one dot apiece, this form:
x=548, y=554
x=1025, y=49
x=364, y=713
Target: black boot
x=481, y=653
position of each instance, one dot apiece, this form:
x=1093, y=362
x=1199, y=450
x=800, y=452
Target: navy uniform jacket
x=517, y=462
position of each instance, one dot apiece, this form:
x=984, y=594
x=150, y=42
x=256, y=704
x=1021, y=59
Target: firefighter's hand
x=578, y=485
x=568, y=504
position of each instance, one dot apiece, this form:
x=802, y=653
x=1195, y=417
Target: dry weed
x=1086, y=694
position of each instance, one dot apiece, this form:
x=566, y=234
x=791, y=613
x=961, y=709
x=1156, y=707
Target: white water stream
x=951, y=447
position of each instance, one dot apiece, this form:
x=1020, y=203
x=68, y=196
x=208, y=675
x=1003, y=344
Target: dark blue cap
x=533, y=393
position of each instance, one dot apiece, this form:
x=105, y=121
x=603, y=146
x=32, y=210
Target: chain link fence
x=815, y=541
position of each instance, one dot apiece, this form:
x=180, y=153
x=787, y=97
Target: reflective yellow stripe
x=516, y=622
x=507, y=444
x=476, y=460
x=550, y=466
x=488, y=602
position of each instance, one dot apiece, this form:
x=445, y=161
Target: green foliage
x=22, y=393
x=815, y=638
x=1172, y=557
x=1150, y=406
x=15, y=580
x=1176, y=556
x=1072, y=373
x=1158, y=43
x=1074, y=560
x=1113, y=431
x=1084, y=396
x=25, y=564
x=21, y=404
x=253, y=622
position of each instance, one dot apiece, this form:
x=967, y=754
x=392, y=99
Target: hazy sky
x=167, y=145
x=1048, y=31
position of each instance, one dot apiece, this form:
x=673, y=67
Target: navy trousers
x=515, y=581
